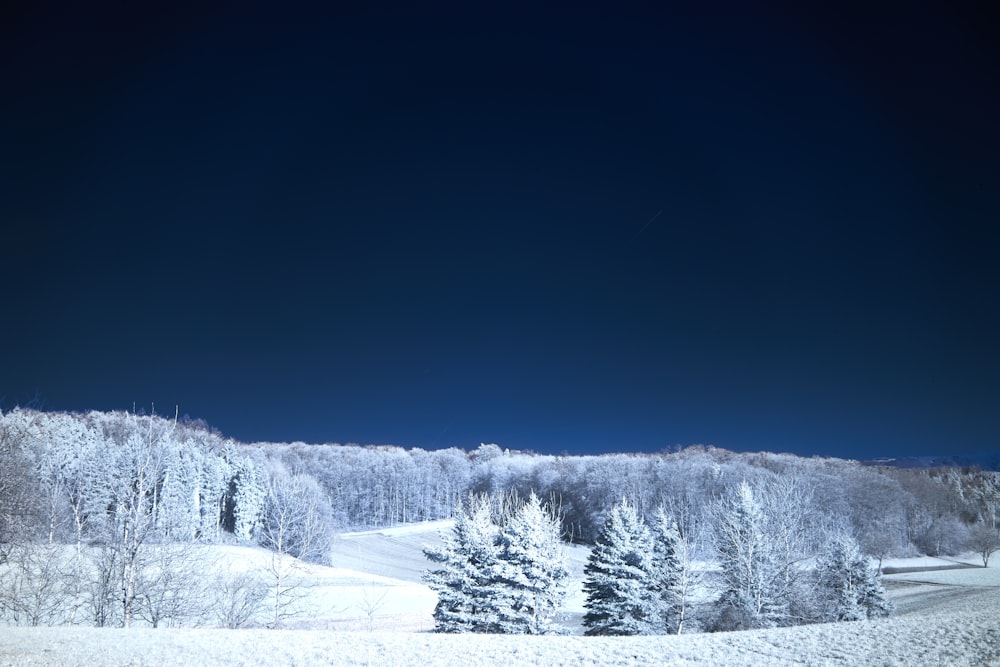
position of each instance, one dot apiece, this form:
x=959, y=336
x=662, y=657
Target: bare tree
x=35, y=585
x=101, y=585
x=171, y=589
x=371, y=603
x=798, y=533
x=237, y=598
x=296, y=528
x=135, y=447
x=984, y=539
x=753, y=570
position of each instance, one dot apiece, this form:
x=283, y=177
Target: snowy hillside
x=953, y=625
x=372, y=610
x=398, y=553
x=390, y=552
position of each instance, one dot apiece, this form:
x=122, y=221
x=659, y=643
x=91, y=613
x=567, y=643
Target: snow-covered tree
x=467, y=575
x=850, y=587
x=984, y=539
x=246, y=496
x=136, y=453
x=985, y=496
x=623, y=597
x=533, y=567
x=295, y=528
x=180, y=494
x=171, y=586
x=296, y=518
x=36, y=587
x=236, y=598
x=500, y=570
x=19, y=509
x=671, y=572
x=753, y=574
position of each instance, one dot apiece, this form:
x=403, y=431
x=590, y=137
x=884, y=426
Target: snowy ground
x=372, y=610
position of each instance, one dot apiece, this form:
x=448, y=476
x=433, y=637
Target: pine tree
x=670, y=572
x=245, y=496
x=469, y=564
x=622, y=598
x=501, y=569
x=535, y=571
x=851, y=589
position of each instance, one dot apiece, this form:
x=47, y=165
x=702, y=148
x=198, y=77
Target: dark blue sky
x=585, y=230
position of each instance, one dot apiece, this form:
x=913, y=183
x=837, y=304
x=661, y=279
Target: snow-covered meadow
x=372, y=609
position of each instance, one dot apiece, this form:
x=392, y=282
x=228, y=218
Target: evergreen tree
x=246, y=496
x=622, y=596
x=468, y=566
x=501, y=569
x=851, y=589
x=670, y=571
x=534, y=569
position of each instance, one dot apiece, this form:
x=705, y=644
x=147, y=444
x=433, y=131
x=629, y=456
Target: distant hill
x=981, y=460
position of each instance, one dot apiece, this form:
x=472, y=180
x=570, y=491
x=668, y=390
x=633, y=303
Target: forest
x=100, y=512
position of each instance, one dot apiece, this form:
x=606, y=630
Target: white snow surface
x=944, y=617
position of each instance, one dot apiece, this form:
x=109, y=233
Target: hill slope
x=375, y=612
x=964, y=632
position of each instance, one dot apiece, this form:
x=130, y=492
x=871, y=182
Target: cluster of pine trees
x=501, y=570
x=637, y=578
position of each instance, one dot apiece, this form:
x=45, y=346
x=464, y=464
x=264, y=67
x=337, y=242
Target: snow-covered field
x=372, y=610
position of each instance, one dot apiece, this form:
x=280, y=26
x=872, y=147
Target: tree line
x=101, y=514
x=127, y=491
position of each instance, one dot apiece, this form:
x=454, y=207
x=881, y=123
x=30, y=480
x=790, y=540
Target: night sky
x=562, y=229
